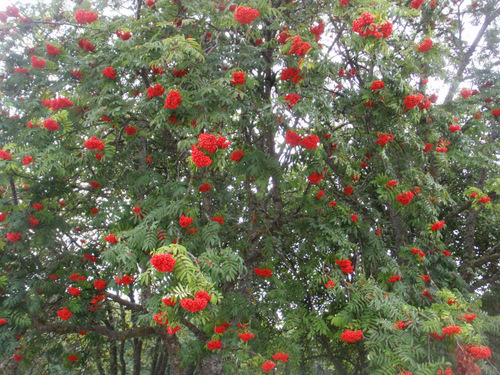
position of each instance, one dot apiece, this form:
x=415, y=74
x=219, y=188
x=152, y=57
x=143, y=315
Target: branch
x=130, y=305
x=14, y=193
x=466, y=59
x=482, y=282
x=425, y=316
x=315, y=356
x=199, y=333
x=62, y=24
x=486, y=259
x=457, y=211
x=138, y=10
x=62, y=328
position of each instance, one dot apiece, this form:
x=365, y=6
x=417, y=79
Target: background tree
x=197, y=187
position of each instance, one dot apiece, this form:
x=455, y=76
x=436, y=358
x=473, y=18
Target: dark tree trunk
x=123, y=366
x=137, y=356
x=337, y=363
x=113, y=353
x=154, y=358
x=162, y=363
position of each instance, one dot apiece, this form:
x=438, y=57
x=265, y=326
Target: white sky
x=5, y=3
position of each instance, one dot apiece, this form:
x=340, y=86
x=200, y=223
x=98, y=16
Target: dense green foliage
x=143, y=181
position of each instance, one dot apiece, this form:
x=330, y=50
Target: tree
x=197, y=187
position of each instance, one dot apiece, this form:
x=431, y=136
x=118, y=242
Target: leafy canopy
x=208, y=187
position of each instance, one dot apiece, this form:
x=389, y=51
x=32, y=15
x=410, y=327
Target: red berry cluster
x=310, y=142
x=299, y=47
x=383, y=138
x=405, y=198
x=479, y=352
x=50, y=124
x=291, y=73
x=93, y=144
x=438, y=225
x=246, y=15
x=425, y=46
x=238, y=78
x=264, y=272
x=173, y=100
x=111, y=239
x=214, y=345
x=83, y=18
x=199, y=302
x=451, y=330
x=109, y=72
x=64, y=313
x=345, y=266
x=87, y=46
x=292, y=99
x=394, y=279
x=163, y=262
x=351, y=336
x=156, y=90
x=365, y=27
x=124, y=280
x=411, y=101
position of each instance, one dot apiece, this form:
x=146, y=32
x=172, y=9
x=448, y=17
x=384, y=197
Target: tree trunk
x=123, y=366
x=113, y=353
x=154, y=358
x=162, y=363
x=172, y=347
x=470, y=236
x=337, y=363
x=210, y=366
x=137, y=356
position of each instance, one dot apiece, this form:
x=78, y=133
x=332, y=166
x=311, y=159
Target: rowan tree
x=282, y=186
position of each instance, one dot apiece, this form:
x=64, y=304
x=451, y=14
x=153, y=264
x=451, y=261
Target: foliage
x=259, y=139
